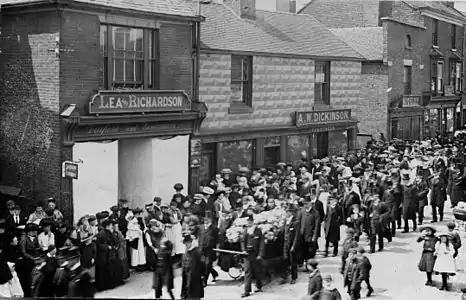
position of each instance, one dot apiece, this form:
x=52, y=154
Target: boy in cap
x=366, y=267
x=454, y=238
x=353, y=275
x=348, y=243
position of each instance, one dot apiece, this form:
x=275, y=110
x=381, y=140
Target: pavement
x=394, y=275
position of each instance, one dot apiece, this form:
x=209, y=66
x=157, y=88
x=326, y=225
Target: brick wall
x=281, y=87
x=374, y=99
x=397, y=53
x=80, y=70
x=29, y=104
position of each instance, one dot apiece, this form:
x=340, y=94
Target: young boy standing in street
x=348, y=244
x=366, y=267
x=353, y=275
x=454, y=238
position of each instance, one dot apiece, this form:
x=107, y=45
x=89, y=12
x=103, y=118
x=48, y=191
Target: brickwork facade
x=30, y=104
x=37, y=84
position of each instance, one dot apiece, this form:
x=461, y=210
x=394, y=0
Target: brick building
x=423, y=53
x=275, y=84
x=104, y=85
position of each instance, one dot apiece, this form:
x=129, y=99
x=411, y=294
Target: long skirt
x=174, y=235
x=426, y=264
x=138, y=256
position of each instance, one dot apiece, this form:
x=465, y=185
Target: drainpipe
x=462, y=78
x=198, y=52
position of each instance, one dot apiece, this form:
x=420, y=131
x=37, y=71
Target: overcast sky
x=460, y=5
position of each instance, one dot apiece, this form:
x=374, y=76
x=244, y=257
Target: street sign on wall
x=322, y=117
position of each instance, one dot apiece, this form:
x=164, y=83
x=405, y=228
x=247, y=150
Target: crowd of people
x=268, y=219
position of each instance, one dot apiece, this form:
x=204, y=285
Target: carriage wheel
x=235, y=272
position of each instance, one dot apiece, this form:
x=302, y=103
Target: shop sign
x=322, y=129
x=411, y=101
x=111, y=130
x=70, y=170
x=322, y=117
x=122, y=102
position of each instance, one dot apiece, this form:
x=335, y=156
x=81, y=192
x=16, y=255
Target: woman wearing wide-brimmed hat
x=444, y=262
x=426, y=264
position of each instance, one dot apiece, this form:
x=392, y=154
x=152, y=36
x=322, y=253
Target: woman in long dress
x=135, y=238
x=444, y=263
x=176, y=218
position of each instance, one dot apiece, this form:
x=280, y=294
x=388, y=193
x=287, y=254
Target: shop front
x=441, y=116
x=132, y=145
x=318, y=133
x=407, y=121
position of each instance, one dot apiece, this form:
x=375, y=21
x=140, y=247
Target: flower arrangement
x=266, y=221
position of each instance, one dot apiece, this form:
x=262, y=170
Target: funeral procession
x=228, y=149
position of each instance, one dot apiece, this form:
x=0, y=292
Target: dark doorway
x=208, y=163
x=322, y=144
x=271, y=155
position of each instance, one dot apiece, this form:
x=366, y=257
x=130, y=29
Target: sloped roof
x=271, y=32
x=368, y=41
x=168, y=7
x=436, y=5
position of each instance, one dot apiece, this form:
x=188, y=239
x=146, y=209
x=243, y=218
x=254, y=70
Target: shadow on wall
x=27, y=129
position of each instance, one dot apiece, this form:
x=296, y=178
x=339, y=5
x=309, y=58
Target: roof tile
x=271, y=32
x=368, y=41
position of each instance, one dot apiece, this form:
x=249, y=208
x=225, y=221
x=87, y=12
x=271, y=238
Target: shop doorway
x=208, y=163
x=322, y=144
x=271, y=151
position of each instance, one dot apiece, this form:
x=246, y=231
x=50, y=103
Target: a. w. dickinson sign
x=123, y=102
x=322, y=117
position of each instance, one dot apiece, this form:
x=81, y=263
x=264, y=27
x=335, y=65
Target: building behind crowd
x=109, y=85
x=275, y=84
x=422, y=53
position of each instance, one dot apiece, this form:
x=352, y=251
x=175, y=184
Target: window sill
x=239, y=108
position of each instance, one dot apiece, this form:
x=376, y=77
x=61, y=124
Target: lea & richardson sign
x=322, y=117
x=118, y=102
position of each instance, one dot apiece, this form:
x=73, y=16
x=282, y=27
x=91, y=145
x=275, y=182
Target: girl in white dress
x=135, y=238
x=176, y=236
x=444, y=263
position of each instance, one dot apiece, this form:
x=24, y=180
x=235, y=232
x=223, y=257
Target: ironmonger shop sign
x=322, y=117
x=119, y=102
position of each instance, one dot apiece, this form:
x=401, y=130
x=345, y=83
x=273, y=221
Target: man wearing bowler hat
x=252, y=244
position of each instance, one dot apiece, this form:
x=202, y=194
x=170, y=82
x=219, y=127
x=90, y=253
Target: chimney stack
x=293, y=6
x=450, y=4
x=246, y=9
x=286, y=6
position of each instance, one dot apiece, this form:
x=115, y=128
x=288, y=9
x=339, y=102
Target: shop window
x=394, y=128
x=456, y=80
x=322, y=82
x=407, y=78
x=434, y=122
x=241, y=80
x=271, y=151
x=437, y=77
x=453, y=36
x=296, y=145
x=449, y=120
x=408, y=44
x=129, y=57
x=435, y=32
x=235, y=154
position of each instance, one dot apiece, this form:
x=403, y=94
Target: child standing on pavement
x=444, y=262
x=353, y=276
x=348, y=244
x=455, y=239
x=426, y=264
x=366, y=267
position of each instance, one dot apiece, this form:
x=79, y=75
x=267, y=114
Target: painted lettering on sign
x=322, y=117
x=411, y=101
x=111, y=102
x=125, y=129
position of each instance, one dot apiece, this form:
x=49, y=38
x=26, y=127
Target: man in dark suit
x=309, y=226
x=208, y=242
x=253, y=245
x=290, y=239
x=13, y=221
